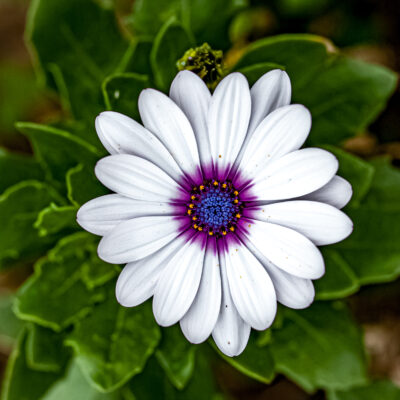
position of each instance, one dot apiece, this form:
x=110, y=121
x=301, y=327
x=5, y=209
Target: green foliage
x=343, y=95
x=373, y=391
x=176, y=356
x=76, y=44
x=113, y=343
x=10, y=325
x=56, y=295
x=19, y=206
x=22, y=382
x=119, y=90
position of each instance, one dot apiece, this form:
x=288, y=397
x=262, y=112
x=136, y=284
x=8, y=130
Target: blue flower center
x=215, y=207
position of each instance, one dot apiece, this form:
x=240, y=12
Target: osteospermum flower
x=217, y=212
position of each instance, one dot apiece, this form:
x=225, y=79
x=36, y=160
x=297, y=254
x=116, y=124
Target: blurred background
x=365, y=29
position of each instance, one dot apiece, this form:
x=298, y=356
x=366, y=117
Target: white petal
x=168, y=122
x=137, y=238
x=321, y=223
x=251, y=288
x=337, y=192
x=178, y=283
x=199, y=321
x=281, y=132
x=295, y=174
x=138, y=279
x=136, y=177
x=230, y=333
x=287, y=249
x=102, y=214
x=191, y=94
x=271, y=91
x=228, y=120
x=291, y=291
x=121, y=134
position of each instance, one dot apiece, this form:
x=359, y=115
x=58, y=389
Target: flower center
x=215, y=207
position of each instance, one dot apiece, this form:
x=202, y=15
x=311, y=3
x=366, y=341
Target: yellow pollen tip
x=193, y=197
x=235, y=192
x=201, y=187
x=238, y=215
x=200, y=228
x=210, y=233
x=224, y=185
x=224, y=233
x=195, y=226
x=194, y=218
x=191, y=205
x=232, y=228
x=215, y=183
x=189, y=211
x=236, y=201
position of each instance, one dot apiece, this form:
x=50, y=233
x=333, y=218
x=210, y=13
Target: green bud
x=205, y=62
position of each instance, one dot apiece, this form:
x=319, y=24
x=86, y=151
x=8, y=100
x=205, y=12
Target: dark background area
x=367, y=30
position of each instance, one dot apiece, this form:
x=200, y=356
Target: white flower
x=216, y=211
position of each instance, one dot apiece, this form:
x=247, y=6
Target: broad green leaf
x=357, y=171
x=113, y=343
x=82, y=185
x=55, y=296
x=380, y=390
x=75, y=387
x=169, y=45
x=373, y=251
x=371, y=254
x=17, y=168
x=21, y=382
x=137, y=57
x=76, y=45
x=45, y=350
x=176, y=356
x=121, y=93
x=343, y=95
x=10, y=325
x=152, y=383
x=19, y=207
x=320, y=347
x=256, y=361
x=57, y=150
x=208, y=19
x=54, y=219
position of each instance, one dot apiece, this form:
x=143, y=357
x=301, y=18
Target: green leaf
x=377, y=390
x=254, y=71
x=75, y=387
x=19, y=168
x=58, y=150
x=256, y=362
x=176, y=356
x=121, y=93
x=113, y=343
x=372, y=250
x=207, y=19
x=54, y=219
x=152, y=383
x=19, y=207
x=343, y=95
x=82, y=185
x=56, y=295
x=137, y=57
x=320, y=347
x=45, y=350
x=76, y=44
x=169, y=45
x=21, y=382
x=10, y=325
